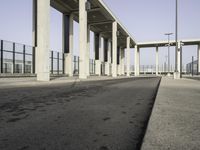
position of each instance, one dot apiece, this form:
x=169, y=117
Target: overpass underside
x=92, y=16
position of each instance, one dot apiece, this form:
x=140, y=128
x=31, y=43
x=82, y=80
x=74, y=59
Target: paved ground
x=175, y=120
x=95, y=115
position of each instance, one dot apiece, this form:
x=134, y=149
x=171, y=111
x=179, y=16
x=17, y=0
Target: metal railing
x=56, y=62
x=92, y=66
x=16, y=58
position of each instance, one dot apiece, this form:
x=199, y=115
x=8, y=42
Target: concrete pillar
x=114, y=49
x=34, y=33
x=97, y=53
x=88, y=52
x=83, y=38
x=68, y=36
x=157, y=61
x=106, y=59
x=109, y=57
x=137, y=61
x=128, y=56
x=42, y=39
x=198, y=58
x=122, y=61
x=177, y=74
x=119, y=61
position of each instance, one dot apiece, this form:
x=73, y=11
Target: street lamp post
x=168, y=34
x=176, y=34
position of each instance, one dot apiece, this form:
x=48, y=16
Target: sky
x=146, y=20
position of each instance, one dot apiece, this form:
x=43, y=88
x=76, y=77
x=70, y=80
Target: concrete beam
x=83, y=38
x=100, y=22
x=114, y=49
x=42, y=40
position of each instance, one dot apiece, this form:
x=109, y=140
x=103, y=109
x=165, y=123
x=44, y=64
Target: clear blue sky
x=146, y=20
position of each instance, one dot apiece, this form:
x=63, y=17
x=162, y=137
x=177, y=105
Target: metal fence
x=16, y=58
x=76, y=65
x=56, y=62
x=92, y=66
x=192, y=68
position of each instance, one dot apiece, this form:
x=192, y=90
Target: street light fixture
x=168, y=34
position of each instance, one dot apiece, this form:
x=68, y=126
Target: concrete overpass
x=92, y=15
x=164, y=44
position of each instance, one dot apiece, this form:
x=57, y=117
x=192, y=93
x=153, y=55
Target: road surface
x=95, y=115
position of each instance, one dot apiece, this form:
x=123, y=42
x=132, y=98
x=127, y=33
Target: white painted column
x=98, y=62
x=137, y=61
x=157, y=61
x=122, y=61
x=68, y=60
x=82, y=39
x=128, y=56
x=109, y=57
x=177, y=74
x=107, y=63
x=114, y=49
x=43, y=40
x=198, y=57
x=119, y=65
x=88, y=52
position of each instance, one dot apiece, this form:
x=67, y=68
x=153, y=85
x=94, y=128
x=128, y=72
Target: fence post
x=13, y=58
x=58, y=62
x=1, y=56
x=192, y=65
x=51, y=62
x=24, y=58
x=33, y=60
x=78, y=65
x=63, y=63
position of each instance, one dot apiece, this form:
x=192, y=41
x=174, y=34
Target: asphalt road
x=95, y=115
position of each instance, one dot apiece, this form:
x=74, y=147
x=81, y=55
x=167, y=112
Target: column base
x=177, y=75
x=68, y=65
x=43, y=76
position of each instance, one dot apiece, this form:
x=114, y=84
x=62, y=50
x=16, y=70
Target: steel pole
x=176, y=32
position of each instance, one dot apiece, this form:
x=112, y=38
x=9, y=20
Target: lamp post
x=168, y=34
x=176, y=38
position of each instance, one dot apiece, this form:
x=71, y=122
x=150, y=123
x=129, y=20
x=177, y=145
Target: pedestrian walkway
x=175, y=120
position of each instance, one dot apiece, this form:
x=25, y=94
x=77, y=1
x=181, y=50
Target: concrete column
x=106, y=54
x=119, y=61
x=122, y=61
x=177, y=74
x=137, y=61
x=97, y=59
x=82, y=39
x=42, y=39
x=88, y=52
x=34, y=33
x=109, y=57
x=128, y=56
x=198, y=58
x=157, y=61
x=114, y=49
x=68, y=36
